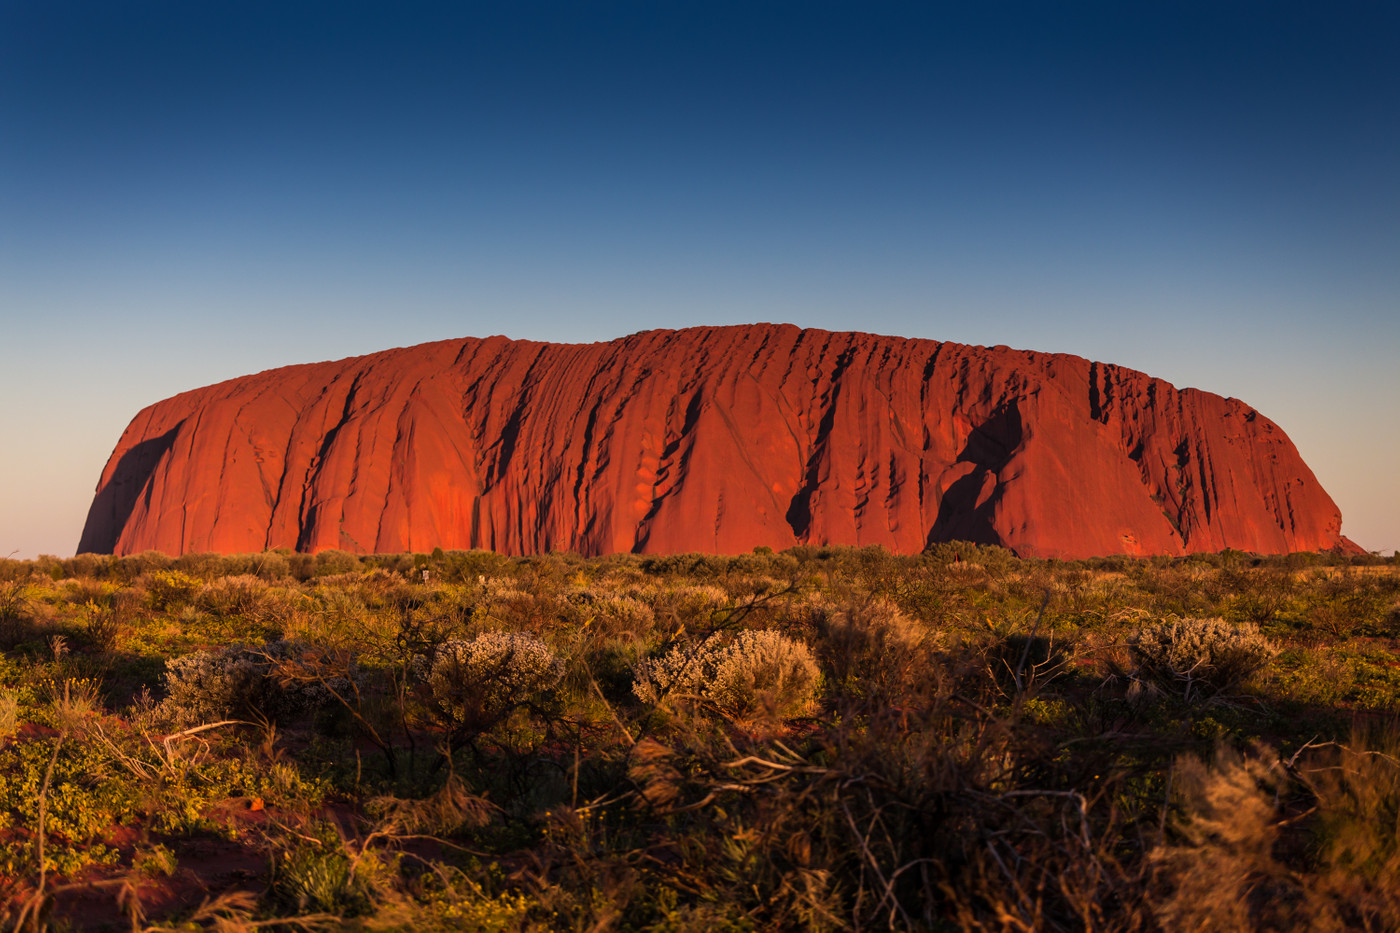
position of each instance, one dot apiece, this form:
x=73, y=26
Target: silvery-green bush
x=242, y=682
x=751, y=672
x=1199, y=658
x=479, y=680
x=608, y=611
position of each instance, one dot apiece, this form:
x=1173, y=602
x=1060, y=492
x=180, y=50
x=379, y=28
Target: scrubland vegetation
x=816, y=739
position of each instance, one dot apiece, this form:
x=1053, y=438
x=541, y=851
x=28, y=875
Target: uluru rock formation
x=715, y=439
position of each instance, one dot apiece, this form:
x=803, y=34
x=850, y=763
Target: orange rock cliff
x=715, y=439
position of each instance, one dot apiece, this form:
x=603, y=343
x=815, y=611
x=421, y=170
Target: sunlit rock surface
x=706, y=439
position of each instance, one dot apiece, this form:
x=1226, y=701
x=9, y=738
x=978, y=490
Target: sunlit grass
x=953, y=740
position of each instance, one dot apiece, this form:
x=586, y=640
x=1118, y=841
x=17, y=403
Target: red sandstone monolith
x=715, y=439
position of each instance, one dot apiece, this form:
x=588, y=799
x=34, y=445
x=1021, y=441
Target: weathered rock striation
x=714, y=439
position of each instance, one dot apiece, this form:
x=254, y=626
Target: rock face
x=706, y=439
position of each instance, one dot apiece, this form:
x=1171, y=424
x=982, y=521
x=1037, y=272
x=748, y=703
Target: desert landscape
x=699, y=467
x=1157, y=694
x=818, y=738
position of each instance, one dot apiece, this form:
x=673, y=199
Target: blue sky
x=192, y=191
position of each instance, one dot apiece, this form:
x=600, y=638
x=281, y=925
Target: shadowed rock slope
x=706, y=439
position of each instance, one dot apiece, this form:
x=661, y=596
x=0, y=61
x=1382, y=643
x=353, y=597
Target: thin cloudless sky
x=191, y=191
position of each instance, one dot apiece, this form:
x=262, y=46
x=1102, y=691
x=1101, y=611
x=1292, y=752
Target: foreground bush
x=1199, y=658
x=873, y=650
x=752, y=672
x=247, y=683
x=169, y=589
x=477, y=682
x=1233, y=866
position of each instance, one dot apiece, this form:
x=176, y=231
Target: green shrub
x=86, y=797
x=870, y=646
x=608, y=612
x=966, y=771
x=1199, y=658
x=1232, y=840
x=1356, y=846
x=270, y=682
x=320, y=876
x=103, y=625
x=244, y=596
x=477, y=682
x=688, y=604
x=129, y=569
x=206, y=566
x=331, y=562
x=752, y=672
x=169, y=589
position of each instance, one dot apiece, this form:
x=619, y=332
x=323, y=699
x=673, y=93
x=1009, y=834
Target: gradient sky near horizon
x=1209, y=192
